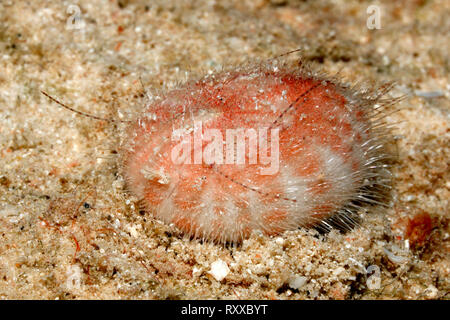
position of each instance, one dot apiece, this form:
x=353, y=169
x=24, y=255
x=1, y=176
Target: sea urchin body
x=255, y=148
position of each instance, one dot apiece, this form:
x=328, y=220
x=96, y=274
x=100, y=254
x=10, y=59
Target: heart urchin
x=262, y=147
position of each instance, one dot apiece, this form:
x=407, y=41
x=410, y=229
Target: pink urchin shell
x=329, y=148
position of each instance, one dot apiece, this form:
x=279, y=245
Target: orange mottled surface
x=322, y=140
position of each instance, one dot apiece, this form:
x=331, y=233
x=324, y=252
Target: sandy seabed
x=68, y=230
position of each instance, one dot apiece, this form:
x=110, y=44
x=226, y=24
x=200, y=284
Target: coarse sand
x=69, y=229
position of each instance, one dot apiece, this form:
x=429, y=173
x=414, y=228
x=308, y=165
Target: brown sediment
x=119, y=252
